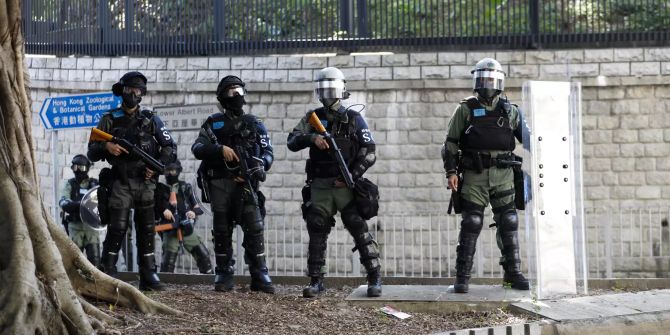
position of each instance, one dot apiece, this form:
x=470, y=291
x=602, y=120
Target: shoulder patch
x=217, y=124
x=479, y=112
x=118, y=113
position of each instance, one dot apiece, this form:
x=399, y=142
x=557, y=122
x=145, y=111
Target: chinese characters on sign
x=185, y=117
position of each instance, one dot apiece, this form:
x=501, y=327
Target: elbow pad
x=365, y=159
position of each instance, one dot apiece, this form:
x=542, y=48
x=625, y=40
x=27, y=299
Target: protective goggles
x=77, y=167
x=485, y=78
x=233, y=91
x=329, y=89
x=133, y=90
x=171, y=172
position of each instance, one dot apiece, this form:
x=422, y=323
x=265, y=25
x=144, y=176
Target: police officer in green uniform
x=132, y=182
x=224, y=139
x=175, y=202
x=86, y=238
x=326, y=193
x=479, y=143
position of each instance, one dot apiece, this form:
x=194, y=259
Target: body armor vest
x=488, y=130
x=322, y=163
x=76, y=193
x=240, y=131
x=137, y=129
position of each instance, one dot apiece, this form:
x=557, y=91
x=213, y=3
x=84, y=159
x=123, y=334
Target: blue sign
x=76, y=111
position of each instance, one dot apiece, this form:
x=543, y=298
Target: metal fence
x=223, y=27
x=621, y=243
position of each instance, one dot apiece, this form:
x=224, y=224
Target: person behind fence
x=176, y=203
x=479, y=164
x=236, y=152
x=86, y=238
x=329, y=185
x=131, y=182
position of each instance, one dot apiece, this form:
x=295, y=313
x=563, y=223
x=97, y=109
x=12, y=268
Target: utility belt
x=220, y=173
x=124, y=172
x=478, y=161
x=321, y=169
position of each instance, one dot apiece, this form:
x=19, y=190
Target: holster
x=106, y=179
x=519, y=187
x=203, y=184
x=455, y=202
x=306, y=199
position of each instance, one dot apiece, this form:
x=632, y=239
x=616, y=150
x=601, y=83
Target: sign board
x=76, y=111
x=185, y=117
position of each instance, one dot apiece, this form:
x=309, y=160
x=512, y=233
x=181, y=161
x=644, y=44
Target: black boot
x=314, y=288
x=169, y=260
x=201, y=256
x=260, y=279
x=374, y=283
x=225, y=268
x=93, y=254
x=509, y=245
x=108, y=263
x=149, y=280
x=465, y=252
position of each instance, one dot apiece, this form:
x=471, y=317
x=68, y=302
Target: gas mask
x=233, y=104
x=80, y=175
x=331, y=103
x=172, y=179
x=131, y=96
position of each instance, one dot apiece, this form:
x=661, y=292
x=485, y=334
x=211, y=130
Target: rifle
x=334, y=149
x=246, y=173
x=176, y=222
x=101, y=136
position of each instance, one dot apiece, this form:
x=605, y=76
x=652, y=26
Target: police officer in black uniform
x=221, y=138
x=132, y=183
x=86, y=238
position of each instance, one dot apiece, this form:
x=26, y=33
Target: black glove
x=71, y=207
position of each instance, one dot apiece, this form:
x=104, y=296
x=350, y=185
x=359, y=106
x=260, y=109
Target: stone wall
x=409, y=99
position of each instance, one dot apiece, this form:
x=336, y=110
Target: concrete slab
x=423, y=298
x=600, y=306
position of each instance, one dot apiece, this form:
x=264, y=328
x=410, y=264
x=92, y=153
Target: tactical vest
x=487, y=130
x=76, y=192
x=137, y=129
x=322, y=164
x=227, y=131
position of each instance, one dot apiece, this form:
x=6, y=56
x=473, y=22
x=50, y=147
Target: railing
x=246, y=27
x=621, y=243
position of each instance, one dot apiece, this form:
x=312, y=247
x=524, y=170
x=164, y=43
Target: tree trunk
x=43, y=275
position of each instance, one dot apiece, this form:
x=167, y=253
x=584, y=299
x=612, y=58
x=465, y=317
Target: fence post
x=219, y=21
x=362, y=15
x=129, y=19
x=103, y=20
x=608, y=246
x=347, y=17
x=534, y=20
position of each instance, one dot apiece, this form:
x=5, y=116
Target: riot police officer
x=479, y=145
x=175, y=202
x=86, y=238
x=326, y=191
x=228, y=143
x=131, y=182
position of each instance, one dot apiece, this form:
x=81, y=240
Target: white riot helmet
x=330, y=86
x=488, y=78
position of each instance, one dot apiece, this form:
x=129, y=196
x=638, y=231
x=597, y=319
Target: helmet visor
x=329, y=89
x=77, y=167
x=487, y=78
x=233, y=91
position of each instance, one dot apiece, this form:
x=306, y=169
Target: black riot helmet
x=226, y=82
x=172, y=171
x=131, y=79
x=231, y=98
x=81, y=162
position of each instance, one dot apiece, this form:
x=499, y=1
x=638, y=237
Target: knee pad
x=222, y=232
x=318, y=222
x=118, y=219
x=509, y=221
x=473, y=221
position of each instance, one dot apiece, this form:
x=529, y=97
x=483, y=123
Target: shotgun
x=334, y=149
x=98, y=135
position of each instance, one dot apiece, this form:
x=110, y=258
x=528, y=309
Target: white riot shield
x=554, y=213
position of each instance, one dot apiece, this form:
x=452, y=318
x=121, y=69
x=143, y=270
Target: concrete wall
x=409, y=99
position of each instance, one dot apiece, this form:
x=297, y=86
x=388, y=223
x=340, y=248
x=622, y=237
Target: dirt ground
x=286, y=312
